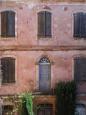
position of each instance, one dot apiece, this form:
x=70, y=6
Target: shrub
x=65, y=98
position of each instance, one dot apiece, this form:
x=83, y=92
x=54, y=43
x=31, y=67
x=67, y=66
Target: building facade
x=41, y=44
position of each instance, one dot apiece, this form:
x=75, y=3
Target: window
x=45, y=109
x=44, y=24
x=8, y=24
x=44, y=74
x=80, y=25
x=80, y=69
x=8, y=70
x=80, y=110
x=80, y=74
x=7, y=109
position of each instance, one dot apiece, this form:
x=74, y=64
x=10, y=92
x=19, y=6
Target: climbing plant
x=24, y=100
x=27, y=100
x=65, y=98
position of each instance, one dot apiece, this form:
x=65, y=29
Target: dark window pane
x=8, y=70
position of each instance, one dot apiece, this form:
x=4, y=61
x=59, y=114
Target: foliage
x=65, y=98
x=21, y=102
x=27, y=100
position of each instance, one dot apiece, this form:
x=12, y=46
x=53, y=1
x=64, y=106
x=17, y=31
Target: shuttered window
x=80, y=25
x=44, y=24
x=8, y=24
x=44, y=74
x=80, y=69
x=8, y=70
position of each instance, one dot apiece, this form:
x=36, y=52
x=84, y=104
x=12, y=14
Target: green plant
x=65, y=98
x=27, y=100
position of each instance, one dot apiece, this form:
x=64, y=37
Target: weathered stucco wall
x=27, y=48
x=27, y=72
x=27, y=24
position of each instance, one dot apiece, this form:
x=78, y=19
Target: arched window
x=7, y=24
x=8, y=69
x=44, y=74
x=44, y=24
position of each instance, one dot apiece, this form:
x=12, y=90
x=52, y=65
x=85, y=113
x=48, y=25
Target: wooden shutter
x=11, y=24
x=78, y=25
x=8, y=70
x=48, y=24
x=84, y=25
x=81, y=25
x=4, y=71
x=3, y=24
x=11, y=70
x=41, y=24
x=80, y=69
